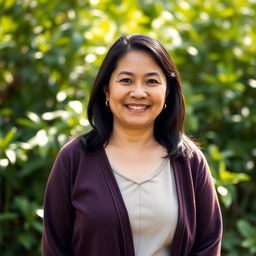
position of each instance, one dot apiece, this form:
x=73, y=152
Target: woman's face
x=136, y=91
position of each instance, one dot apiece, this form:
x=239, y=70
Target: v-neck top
x=152, y=207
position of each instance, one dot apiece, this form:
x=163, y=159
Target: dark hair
x=168, y=127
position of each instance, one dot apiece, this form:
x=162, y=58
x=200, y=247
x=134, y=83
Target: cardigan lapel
x=176, y=247
x=118, y=202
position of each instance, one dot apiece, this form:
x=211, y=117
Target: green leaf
x=246, y=229
x=249, y=242
x=38, y=226
x=23, y=205
x=9, y=3
x=31, y=167
x=8, y=216
x=26, y=240
x=4, y=142
x=232, y=177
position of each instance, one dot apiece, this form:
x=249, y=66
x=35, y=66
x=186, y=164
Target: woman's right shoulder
x=75, y=148
x=69, y=157
x=71, y=149
x=71, y=145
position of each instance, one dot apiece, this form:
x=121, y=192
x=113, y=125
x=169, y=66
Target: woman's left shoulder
x=196, y=160
x=198, y=155
x=194, y=153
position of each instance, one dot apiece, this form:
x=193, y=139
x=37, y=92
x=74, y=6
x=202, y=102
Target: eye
x=126, y=81
x=152, y=81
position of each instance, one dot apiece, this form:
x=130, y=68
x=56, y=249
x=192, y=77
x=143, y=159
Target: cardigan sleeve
x=58, y=212
x=208, y=214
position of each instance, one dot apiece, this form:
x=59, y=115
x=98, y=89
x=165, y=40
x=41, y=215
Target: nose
x=138, y=91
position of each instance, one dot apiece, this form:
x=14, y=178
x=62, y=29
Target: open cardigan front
x=85, y=215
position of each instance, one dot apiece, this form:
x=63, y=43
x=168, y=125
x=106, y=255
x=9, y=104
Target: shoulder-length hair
x=168, y=126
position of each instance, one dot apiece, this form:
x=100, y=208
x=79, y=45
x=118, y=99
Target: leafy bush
x=49, y=55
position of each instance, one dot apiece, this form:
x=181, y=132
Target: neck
x=132, y=138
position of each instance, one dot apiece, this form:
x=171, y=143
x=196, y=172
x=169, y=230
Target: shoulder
x=198, y=156
x=71, y=158
x=193, y=155
x=196, y=163
x=200, y=170
x=70, y=153
x=73, y=152
x=193, y=161
x=71, y=147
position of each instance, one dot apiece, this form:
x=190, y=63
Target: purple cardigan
x=85, y=215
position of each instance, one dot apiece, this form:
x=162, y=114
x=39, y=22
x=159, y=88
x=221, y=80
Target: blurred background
x=50, y=52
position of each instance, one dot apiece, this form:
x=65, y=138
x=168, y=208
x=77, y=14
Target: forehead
x=138, y=61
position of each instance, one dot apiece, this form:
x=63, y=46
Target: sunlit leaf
x=6, y=140
x=50, y=53
x=246, y=229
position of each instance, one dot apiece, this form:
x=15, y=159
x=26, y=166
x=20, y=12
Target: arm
x=58, y=212
x=209, y=221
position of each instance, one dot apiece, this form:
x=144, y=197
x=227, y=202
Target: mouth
x=137, y=107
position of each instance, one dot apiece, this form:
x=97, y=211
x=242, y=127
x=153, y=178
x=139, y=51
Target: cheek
x=117, y=93
x=160, y=95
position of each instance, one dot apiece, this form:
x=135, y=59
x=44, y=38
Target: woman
x=135, y=184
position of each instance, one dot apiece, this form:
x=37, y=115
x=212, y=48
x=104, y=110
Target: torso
x=152, y=207
x=147, y=185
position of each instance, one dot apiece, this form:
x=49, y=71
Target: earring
x=165, y=105
x=107, y=103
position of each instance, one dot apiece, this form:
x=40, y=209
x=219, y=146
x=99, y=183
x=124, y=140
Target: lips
x=137, y=107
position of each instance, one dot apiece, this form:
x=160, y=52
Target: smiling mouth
x=137, y=107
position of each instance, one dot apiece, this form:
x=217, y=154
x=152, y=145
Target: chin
x=137, y=125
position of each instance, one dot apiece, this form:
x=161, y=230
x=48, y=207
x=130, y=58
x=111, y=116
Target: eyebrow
x=132, y=74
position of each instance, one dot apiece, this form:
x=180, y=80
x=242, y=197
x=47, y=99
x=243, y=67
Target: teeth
x=136, y=107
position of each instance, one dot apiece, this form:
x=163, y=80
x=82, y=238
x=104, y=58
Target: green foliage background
x=50, y=52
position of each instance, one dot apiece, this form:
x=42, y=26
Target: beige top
x=152, y=208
